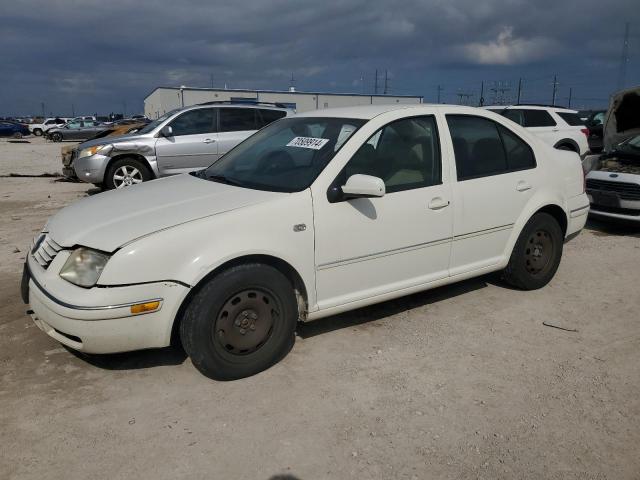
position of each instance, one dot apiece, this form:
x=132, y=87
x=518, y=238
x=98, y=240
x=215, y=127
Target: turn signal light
x=145, y=307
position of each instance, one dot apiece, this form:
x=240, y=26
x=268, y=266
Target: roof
x=367, y=112
x=531, y=106
x=297, y=92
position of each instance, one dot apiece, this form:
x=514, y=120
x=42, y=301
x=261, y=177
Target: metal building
x=164, y=99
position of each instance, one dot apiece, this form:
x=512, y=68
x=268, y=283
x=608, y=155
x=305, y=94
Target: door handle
x=555, y=129
x=523, y=186
x=437, y=203
x=208, y=140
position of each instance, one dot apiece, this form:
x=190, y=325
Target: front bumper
x=91, y=169
x=99, y=319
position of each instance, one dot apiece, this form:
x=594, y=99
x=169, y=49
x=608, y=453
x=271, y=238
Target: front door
x=193, y=144
x=496, y=177
x=367, y=247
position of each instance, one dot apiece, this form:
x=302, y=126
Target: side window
x=194, y=122
x=405, y=154
x=49, y=122
x=477, y=146
x=268, y=116
x=538, y=118
x=237, y=119
x=571, y=118
x=519, y=153
x=514, y=115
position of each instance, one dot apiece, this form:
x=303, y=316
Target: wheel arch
x=568, y=142
x=279, y=264
x=137, y=156
x=556, y=212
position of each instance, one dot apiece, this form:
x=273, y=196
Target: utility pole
x=375, y=84
x=73, y=110
x=42, y=105
x=463, y=98
x=555, y=89
x=362, y=82
x=570, y=92
x=211, y=80
x=440, y=89
x=624, y=59
x=124, y=113
x=481, y=93
x=519, y=90
x=386, y=81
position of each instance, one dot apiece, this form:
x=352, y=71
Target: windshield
x=151, y=126
x=285, y=156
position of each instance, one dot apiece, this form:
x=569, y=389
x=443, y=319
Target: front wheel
x=240, y=322
x=536, y=255
x=37, y=132
x=126, y=172
x=56, y=137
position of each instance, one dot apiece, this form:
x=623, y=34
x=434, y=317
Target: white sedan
x=315, y=214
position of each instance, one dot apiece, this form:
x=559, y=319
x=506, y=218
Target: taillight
x=585, y=131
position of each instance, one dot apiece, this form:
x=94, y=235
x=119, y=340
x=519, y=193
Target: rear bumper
x=578, y=213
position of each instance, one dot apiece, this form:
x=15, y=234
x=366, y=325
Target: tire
x=240, y=322
x=17, y=135
x=569, y=148
x=37, y=132
x=56, y=137
x=125, y=172
x=536, y=255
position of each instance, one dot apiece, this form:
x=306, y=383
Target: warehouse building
x=165, y=99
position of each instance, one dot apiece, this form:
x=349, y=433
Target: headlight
x=87, y=152
x=84, y=266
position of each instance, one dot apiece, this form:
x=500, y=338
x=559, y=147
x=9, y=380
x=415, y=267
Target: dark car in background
x=76, y=130
x=13, y=129
x=594, y=123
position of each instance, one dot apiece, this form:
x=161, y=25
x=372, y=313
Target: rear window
x=237, y=119
x=572, y=119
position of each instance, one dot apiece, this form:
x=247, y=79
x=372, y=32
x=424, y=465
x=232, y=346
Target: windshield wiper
x=225, y=180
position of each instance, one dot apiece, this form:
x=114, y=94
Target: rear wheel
x=37, y=132
x=56, y=137
x=569, y=148
x=536, y=255
x=17, y=135
x=126, y=172
x=240, y=322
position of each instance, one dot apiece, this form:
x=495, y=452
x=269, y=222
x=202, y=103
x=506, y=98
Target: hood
x=623, y=118
x=108, y=220
x=114, y=139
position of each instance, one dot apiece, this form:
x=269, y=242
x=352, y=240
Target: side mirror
x=166, y=131
x=363, y=186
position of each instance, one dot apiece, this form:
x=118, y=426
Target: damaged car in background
x=180, y=141
x=613, y=178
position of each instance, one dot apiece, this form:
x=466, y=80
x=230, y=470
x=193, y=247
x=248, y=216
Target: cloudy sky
x=98, y=56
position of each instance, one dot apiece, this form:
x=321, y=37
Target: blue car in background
x=13, y=129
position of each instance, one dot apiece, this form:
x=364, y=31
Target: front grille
x=44, y=250
x=627, y=191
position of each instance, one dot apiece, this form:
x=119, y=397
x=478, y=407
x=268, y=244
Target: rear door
x=193, y=144
x=235, y=125
x=496, y=176
x=6, y=129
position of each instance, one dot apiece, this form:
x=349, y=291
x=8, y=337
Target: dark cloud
x=97, y=55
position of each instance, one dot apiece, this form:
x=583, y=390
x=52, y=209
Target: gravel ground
x=460, y=382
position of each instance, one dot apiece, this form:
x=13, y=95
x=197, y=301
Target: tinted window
x=237, y=119
x=538, y=118
x=265, y=117
x=194, y=122
x=405, y=154
x=514, y=115
x=477, y=146
x=571, y=118
x=519, y=153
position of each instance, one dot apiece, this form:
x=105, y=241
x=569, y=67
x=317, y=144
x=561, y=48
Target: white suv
x=560, y=127
x=315, y=214
x=39, y=129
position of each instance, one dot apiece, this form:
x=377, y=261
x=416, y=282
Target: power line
x=624, y=60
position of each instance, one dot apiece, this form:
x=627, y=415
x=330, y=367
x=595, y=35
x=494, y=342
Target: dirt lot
x=460, y=382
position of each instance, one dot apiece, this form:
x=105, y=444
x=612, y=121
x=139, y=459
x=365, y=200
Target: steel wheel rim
x=539, y=252
x=246, y=320
x=126, y=175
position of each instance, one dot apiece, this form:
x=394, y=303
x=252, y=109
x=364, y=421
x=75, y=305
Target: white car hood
x=108, y=220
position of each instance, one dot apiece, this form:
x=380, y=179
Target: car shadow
x=378, y=311
x=603, y=228
x=141, y=359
